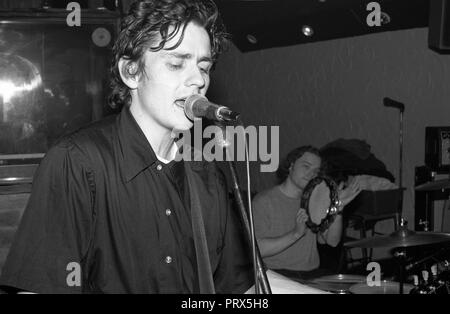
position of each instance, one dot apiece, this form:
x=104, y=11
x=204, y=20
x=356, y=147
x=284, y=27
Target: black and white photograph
x=218, y=152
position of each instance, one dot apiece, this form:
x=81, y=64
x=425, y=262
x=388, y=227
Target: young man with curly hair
x=110, y=201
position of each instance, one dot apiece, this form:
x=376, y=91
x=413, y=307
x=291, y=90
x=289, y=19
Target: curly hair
x=291, y=157
x=146, y=27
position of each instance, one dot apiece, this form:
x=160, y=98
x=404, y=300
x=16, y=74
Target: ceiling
x=261, y=24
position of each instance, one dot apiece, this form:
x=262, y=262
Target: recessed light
x=307, y=30
x=252, y=39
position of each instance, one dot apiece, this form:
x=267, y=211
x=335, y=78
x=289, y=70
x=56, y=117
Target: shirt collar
x=137, y=151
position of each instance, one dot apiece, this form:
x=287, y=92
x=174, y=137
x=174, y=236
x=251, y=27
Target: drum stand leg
x=401, y=258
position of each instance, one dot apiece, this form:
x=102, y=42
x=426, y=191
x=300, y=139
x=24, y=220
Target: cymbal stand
x=400, y=255
x=445, y=207
x=447, y=201
x=401, y=109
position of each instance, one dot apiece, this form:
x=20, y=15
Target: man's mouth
x=180, y=103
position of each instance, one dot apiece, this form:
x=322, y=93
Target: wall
x=12, y=206
x=322, y=91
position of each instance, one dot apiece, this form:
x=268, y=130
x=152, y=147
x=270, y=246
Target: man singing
x=111, y=202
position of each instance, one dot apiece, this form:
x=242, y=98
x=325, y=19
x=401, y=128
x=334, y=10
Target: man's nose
x=196, y=78
x=312, y=174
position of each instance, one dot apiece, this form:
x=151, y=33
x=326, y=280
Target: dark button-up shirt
x=102, y=200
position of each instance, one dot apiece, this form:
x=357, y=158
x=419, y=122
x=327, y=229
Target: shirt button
x=168, y=259
x=168, y=212
x=159, y=167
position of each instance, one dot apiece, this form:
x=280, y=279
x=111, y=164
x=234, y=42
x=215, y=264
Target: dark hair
x=291, y=157
x=148, y=21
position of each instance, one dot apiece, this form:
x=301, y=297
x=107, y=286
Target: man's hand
x=300, y=226
x=350, y=192
x=274, y=245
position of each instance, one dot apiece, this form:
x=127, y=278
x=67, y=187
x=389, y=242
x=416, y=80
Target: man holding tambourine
x=291, y=217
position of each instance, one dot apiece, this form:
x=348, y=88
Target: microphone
x=392, y=103
x=198, y=106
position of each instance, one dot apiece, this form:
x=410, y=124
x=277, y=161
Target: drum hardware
x=401, y=258
x=413, y=265
x=438, y=283
x=438, y=185
x=424, y=223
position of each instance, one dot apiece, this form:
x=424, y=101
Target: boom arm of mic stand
x=258, y=264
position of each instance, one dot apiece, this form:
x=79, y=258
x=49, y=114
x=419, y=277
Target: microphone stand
x=259, y=271
x=247, y=218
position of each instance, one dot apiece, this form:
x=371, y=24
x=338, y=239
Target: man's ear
x=128, y=72
x=290, y=167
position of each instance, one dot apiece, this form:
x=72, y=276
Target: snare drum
x=280, y=284
x=338, y=284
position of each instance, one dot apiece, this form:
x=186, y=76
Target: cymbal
x=401, y=238
x=434, y=185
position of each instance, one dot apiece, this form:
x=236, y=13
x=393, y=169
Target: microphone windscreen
x=189, y=105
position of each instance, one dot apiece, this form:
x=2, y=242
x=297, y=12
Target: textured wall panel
x=322, y=91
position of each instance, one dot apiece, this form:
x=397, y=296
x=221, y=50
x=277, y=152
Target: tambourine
x=321, y=202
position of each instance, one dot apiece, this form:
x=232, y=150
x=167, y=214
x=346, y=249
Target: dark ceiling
x=275, y=23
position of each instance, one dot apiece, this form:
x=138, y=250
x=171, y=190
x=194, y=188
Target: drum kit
x=435, y=282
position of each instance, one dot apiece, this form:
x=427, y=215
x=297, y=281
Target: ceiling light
x=307, y=30
x=252, y=39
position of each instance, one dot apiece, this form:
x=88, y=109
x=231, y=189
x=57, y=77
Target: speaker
x=439, y=26
x=437, y=147
x=428, y=205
